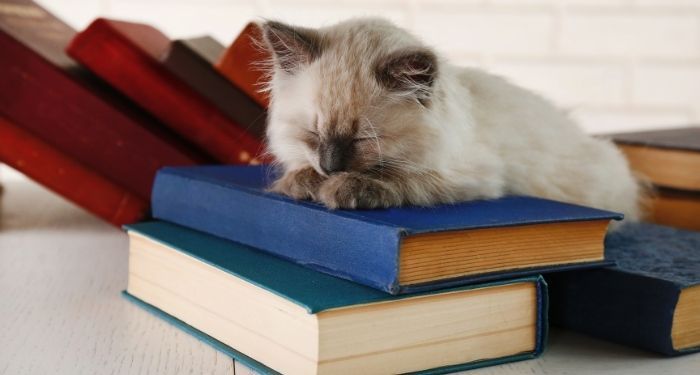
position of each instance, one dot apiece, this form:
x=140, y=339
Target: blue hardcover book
x=651, y=299
x=395, y=250
x=276, y=316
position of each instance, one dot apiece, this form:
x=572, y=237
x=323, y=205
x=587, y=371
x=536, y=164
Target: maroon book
x=45, y=92
x=129, y=57
x=69, y=178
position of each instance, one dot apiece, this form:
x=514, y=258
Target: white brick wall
x=630, y=33
x=471, y=30
x=572, y=83
x=616, y=64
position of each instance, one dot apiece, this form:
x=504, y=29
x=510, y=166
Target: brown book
x=192, y=61
x=676, y=208
x=241, y=63
x=669, y=158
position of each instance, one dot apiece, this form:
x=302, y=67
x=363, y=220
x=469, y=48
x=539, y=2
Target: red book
x=128, y=56
x=64, y=175
x=45, y=92
x=241, y=63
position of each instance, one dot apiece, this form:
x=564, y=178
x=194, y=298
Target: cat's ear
x=292, y=46
x=411, y=72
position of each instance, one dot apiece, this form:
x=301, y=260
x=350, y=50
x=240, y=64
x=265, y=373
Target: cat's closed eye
x=311, y=138
x=364, y=139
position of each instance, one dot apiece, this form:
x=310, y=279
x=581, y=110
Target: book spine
x=364, y=252
x=47, y=101
x=134, y=72
x=542, y=324
x=243, y=61
x=249, y=362
x=613, y=305
x=201, y=76
x=67, y=177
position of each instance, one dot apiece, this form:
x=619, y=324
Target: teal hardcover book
x=277, y=316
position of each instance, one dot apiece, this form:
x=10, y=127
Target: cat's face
x=348, y=98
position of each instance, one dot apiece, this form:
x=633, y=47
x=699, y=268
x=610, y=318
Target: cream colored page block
x=450, y=329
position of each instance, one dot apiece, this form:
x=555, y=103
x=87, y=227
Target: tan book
x=669, y=158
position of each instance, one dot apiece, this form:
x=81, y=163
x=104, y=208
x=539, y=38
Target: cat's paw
x=354, y=190
x=298, y=184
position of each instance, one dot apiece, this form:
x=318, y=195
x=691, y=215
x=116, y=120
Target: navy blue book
x=395, y=250
x=650, y=300
x=279, y=317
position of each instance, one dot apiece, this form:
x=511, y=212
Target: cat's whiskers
x=396, y=169
x=374, y=135
x=403, y=164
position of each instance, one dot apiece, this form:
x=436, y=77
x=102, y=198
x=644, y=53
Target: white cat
x=364, y=115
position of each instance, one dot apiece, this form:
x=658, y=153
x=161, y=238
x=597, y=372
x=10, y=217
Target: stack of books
x=670, y=159
x=93, y=115
x=294, y=287
x=119, y=119
x=66, y=129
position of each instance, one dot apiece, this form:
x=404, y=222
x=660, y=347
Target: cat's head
x=350, y=97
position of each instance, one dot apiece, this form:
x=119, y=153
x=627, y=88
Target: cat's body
x=363, y=115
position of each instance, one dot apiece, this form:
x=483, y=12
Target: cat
x=363, y=115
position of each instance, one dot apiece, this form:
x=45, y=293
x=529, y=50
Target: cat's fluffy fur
x=364, y=115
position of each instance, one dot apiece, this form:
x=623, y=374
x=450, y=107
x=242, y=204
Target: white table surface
x=61, y=312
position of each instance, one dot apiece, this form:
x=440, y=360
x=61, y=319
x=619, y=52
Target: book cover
x=650, y=300
x=686, y=138
x=45, y=92
x=67, y=177
x=242, y=63
x=314, y=292
x=364, y=245
x=669, y=158
x=192, y=60
x=128, y=56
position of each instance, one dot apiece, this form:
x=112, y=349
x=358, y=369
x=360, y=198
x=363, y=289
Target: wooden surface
x=61, y=274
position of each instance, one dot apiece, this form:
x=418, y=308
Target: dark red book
x=67, y=177
x=45, y=92
x=128, y=56
x=242, y=63
x=192, y=61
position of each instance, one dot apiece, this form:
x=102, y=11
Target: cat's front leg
x=299, y=184
x=355, y=190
